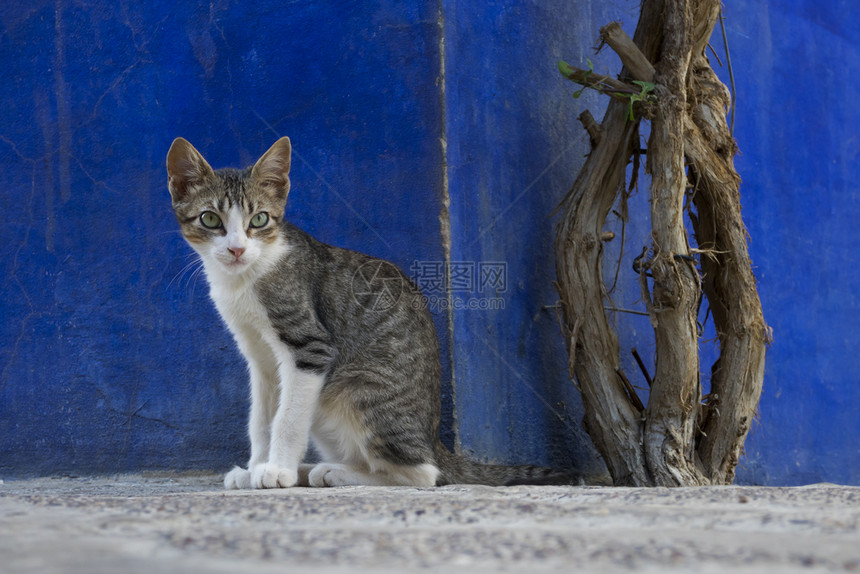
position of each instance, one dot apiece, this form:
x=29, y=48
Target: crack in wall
x=445, y=220
x=64, y=114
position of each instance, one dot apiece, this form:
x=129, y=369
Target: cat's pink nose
x=236, y=251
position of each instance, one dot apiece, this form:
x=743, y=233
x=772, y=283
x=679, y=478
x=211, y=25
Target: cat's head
x=230, y=217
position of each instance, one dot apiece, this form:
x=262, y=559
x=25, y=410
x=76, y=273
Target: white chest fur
x=248, y=321
x=238, y=304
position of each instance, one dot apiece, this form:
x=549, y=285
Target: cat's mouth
x=235, y=264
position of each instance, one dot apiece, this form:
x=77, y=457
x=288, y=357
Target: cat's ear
x=186, y=168
x=272, y=171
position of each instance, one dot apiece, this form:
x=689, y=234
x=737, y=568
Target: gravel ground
x=148, y=524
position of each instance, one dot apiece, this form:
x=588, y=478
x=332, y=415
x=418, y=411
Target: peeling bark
x=674, y=441
x=729, y=283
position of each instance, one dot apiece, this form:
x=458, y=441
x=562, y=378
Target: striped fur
x=340, y=348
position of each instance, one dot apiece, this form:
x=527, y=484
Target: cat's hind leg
x=333, y=474
x=372, y=432
x=238, y=478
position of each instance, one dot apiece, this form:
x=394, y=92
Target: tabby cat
x=339, y=346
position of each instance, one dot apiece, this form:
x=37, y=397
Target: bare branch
x=642, y=368
x=632, y=58
x=599, y=82
x=591, y=126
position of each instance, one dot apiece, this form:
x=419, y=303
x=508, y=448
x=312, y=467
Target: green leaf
x=564, y=68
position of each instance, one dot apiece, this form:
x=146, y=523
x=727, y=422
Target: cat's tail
x=455, y=469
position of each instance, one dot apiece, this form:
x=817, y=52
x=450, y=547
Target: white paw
x=237, y=478
x=268, y=475
x=325, y=474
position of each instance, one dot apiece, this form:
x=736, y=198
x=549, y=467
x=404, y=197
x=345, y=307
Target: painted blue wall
x=514, y=146
x=798, y=127
x=112, y=357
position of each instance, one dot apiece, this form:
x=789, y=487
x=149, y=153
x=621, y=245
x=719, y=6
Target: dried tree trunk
x=675, y=393
x=729, y=284
x=611, y=419
x=674, y=441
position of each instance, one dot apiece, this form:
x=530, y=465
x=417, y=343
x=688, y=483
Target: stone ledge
x=188, y=523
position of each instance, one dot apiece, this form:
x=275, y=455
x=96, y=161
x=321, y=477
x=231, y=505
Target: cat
x=340, y=348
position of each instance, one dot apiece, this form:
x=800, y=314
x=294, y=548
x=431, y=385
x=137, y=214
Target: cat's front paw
x=268, y=475
x=238, y=478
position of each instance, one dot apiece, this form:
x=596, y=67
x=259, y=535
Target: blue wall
x=112, y=357
x=801, y=148
x=514, y=145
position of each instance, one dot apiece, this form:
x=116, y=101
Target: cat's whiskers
x=191, y=270
x=195, y=275
x=168, y=232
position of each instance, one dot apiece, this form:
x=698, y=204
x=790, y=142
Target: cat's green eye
x=260, y=219
x=210, y=220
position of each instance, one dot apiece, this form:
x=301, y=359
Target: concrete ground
x=151, y=524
